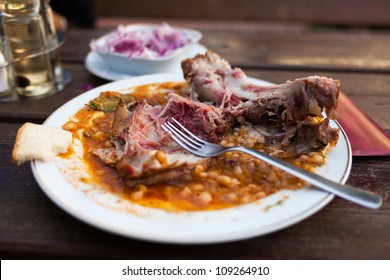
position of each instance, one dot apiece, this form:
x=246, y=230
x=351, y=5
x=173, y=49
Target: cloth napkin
x=367, y=138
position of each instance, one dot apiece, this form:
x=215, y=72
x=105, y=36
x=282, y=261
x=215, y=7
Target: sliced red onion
x=157, y=41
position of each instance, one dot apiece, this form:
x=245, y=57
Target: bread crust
x=38, y=142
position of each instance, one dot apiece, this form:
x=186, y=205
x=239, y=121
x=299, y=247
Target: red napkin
x=367, y=137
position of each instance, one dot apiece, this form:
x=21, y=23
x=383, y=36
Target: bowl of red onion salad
x=145, y=48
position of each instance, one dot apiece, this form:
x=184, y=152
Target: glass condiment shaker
x=26, y=34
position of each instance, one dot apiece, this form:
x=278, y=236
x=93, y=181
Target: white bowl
x=145, y=65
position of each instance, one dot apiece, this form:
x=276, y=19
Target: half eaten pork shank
x=285, y=113
x=218, y=99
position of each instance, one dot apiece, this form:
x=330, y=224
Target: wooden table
x=31, y=226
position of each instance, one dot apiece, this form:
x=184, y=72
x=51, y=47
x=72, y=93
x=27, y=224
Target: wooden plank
x=354, y=13
x=250, y=45
x=302, y=50
x=34, y=227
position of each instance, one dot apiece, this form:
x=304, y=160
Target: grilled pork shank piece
x=278, y=109
x=211, y=79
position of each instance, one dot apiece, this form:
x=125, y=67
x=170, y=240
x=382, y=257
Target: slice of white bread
x=40, y=142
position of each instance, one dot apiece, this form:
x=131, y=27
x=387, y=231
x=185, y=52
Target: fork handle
x=359, y=196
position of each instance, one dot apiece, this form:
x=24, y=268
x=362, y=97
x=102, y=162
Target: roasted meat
x=211, y=79
x=146, y=154
x=285, y=117
x=309, y=135
x=204, y=120
x=282, y=110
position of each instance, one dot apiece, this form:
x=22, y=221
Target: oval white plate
x=254, y=219
x=97, y=66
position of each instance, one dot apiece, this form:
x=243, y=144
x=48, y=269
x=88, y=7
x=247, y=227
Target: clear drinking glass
x=6, y=71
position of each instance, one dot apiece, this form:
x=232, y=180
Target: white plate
x=264, y=216
x=97, y=66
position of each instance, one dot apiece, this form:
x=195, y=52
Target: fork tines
x=182, y=136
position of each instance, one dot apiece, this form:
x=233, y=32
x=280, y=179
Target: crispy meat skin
x=309, y=135
x=292, y=101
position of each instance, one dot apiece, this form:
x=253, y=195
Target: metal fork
x=202, y=148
